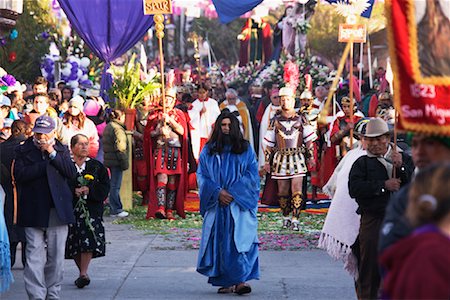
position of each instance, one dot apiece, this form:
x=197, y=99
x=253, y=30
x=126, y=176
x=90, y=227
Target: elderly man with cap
x=239, y=108
x=288, y=140
x=166, y=151
x=372, y=180
x=41, y=170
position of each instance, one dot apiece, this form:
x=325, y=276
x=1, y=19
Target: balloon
x=79, y=73
x=50, y=78
x=48, y=68
x=76, y=91
x=84, y=77
x=12, y=56
x=13, y=35
x=73, y=77
x=86, y=83
x=84, y=62
x=73, y=84
x=44, y=73
x=65, y=72
x=74, y=65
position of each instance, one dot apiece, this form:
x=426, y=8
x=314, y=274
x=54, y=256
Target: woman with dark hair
x=229, y=190
x=115, y=148
x=86, y=238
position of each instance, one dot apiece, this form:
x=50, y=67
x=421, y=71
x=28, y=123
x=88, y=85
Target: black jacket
x=395, y=225
x=366, y=183
x=98, y=188
x=42, y=184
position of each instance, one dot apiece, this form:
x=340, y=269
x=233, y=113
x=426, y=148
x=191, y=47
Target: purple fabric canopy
x=228, y=10
x=108, y=27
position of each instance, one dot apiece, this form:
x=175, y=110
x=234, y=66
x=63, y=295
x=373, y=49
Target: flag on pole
x=364, y=7
x=228, y=10
x=420, y=64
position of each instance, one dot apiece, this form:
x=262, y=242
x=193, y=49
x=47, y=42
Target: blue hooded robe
x=229, y=247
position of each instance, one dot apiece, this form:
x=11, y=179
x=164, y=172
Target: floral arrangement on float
x=274, y=72
x=240, y=76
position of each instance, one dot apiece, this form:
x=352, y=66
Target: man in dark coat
x=7, y=150
x=372, y=180
x=41, y=170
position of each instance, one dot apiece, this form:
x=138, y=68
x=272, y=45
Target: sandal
x=226, y=290
x=243, y=288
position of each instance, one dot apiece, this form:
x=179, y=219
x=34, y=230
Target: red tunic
x=148, y=154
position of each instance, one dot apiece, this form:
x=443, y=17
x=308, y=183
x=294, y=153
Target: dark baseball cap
x=44, y=124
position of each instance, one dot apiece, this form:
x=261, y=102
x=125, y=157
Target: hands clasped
x=225, y=198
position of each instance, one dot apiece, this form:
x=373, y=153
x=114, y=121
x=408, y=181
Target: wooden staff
x=159, y=27
x=322, y=119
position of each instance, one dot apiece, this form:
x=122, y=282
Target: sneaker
x=122, y=214
x=295, y=225
x=286, y=223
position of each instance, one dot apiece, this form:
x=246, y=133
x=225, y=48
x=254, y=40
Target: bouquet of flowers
x=302, y=26
x=81, y=205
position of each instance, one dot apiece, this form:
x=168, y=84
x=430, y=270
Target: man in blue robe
x=228, y=182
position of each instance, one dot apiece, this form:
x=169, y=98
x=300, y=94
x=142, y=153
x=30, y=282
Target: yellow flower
x=88, y=177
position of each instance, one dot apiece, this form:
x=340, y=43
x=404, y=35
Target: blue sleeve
x=245, y=191
x=208, y=188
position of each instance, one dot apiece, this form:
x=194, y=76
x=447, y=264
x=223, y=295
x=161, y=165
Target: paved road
x=135, y=267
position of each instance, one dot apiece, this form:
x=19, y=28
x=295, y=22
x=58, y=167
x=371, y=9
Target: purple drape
x=228, y=10
x=108, y=27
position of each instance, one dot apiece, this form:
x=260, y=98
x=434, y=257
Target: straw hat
x=376, y=127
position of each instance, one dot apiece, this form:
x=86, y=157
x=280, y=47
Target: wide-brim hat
x=376, y=127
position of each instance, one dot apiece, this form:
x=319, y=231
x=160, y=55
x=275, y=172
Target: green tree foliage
x=29, y=46
x=223, y=38
x=323, y=35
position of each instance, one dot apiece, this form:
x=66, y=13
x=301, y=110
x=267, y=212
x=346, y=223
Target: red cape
x=148, y=153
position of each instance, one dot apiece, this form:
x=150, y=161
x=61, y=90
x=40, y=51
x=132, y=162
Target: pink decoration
x=291, y=75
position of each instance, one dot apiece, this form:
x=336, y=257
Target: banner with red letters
x=419, y=37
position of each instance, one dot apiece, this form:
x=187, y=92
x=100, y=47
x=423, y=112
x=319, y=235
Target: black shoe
x=82, y=281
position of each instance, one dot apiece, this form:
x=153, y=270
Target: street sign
x=350, y=31
x=153, y=7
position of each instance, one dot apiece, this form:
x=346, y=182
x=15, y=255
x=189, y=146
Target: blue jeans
x=114, y=192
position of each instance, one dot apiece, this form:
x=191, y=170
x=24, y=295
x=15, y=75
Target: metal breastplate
x=288, y=132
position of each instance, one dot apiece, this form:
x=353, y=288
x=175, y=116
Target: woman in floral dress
x=86, y=239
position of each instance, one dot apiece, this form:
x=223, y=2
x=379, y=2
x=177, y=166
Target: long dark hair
x=216, y=141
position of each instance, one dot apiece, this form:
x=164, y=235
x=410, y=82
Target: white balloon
x=85, y=62
x=44, y=73
x=79, y=73
x=72, y=58
x=74, y=84
x=84, y=77
x=76, y=91
x=66, y=71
